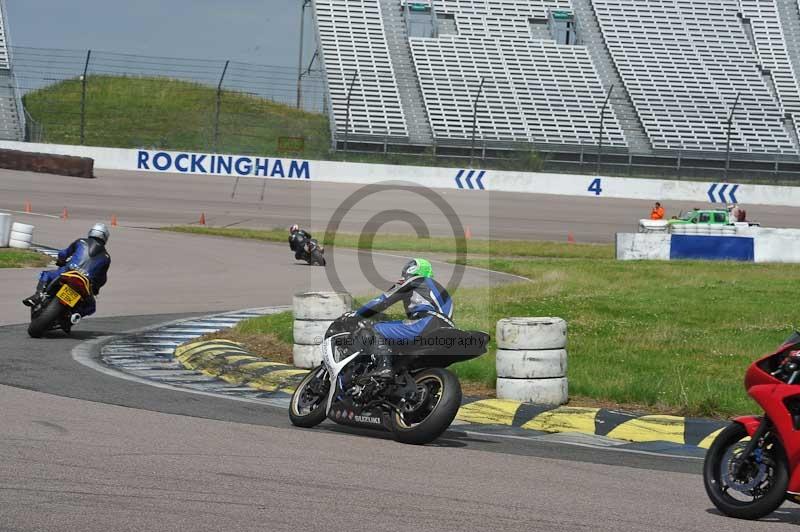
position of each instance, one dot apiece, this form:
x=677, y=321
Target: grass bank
x=667, y=337
x=140, y=112
x=389, y=242
x=16, y=258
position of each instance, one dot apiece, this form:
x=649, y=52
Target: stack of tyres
x=313, y=314
x=21, y=236
x=532, y=360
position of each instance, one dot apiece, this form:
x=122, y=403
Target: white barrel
x=546, y=364
x=5, y=229
x=306, y=356
x=22, y=237
x=321, y=305
x=22, y=228
x=310, y=332
x=18, y=244
x=552, y=392
x=531, y=333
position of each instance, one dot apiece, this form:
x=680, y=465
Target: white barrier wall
x=643, y=246
x=769, y=244
x=5, y=229
x=452, y=178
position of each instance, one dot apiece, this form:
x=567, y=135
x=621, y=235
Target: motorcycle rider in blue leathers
x=428, y=307
x=86, y=255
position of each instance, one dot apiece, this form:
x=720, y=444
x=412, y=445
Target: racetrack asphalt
x=152, y=199
x=84, y=451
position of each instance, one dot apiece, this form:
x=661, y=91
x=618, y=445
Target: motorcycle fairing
x=340, y=408
x=772, y=398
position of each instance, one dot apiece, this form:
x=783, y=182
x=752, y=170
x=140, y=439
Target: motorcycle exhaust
x=75, y=318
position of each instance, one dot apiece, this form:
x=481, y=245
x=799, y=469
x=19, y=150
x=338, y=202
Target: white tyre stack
x=313, y=314
x=21, y=236
x=532, y=360
x=5, y=229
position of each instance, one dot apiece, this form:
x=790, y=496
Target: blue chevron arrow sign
x=721, y=193
x=464, y=179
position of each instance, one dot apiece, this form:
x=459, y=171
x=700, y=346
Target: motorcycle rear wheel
x=307, y=407
x=428, y=420
x=45, y=319
x=770, y=477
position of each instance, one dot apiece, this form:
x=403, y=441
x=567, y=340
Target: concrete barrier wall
x=48, y=163
x=750, y=244
x=447, y=178
x=643, y=246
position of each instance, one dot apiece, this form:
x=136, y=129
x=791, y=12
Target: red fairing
x=750, y=423
x=756, y=376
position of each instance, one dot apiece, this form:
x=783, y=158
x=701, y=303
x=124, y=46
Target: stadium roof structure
x=651, y=78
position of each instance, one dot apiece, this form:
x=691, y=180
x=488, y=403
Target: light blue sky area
x=255, y=31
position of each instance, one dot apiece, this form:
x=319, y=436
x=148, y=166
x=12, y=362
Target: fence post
x=475, y=120
x=728, y=141
x=219, y=105
x=83, y=96
x=347, y=117
x=300, y=59
x=602, y=123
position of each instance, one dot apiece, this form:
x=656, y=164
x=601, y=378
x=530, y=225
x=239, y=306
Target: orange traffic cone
x=202, y=218
x=65, y=214
x=113, y=220
x=28, y=207
x=468, y=233
x=570, y=238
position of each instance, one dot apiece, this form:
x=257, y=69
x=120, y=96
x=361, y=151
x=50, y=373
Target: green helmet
x=417, y=268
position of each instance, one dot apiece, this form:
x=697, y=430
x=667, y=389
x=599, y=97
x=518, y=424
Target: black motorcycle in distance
x=313, y=252
x=417, y=405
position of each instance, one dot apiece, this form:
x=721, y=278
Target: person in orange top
x=657, y=213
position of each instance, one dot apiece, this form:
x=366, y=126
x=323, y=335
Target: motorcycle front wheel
x=45, y=319
x=432, y=412
x=307, y=408
x=755, y=488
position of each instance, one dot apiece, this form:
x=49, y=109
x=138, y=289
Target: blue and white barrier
x=752, y=244
x=474, y=181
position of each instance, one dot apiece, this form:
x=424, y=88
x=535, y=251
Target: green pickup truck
x=720, y=217
x=711, y=217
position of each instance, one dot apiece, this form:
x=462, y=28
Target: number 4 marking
x=596, y=187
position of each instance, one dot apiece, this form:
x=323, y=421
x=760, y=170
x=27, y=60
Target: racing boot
x=36, y=298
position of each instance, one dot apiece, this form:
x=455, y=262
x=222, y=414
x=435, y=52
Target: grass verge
x=267, y=336
x=17, y=258
x=389, y=242
x=671, y=337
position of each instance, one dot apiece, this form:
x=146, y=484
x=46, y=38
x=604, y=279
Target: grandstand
x=11, y=116
x=519, y=74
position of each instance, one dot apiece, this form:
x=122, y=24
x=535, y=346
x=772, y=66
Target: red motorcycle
x=754, y=464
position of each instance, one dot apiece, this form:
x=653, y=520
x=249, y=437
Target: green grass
x=16, y=258
x=131, y=112
x=671, y=337
x=389, y=242
x=674, y=336
x=279, y=324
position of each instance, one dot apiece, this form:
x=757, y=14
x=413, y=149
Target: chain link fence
x=123, y=100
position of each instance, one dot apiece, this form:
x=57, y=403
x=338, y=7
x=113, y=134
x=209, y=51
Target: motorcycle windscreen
x=792, y=341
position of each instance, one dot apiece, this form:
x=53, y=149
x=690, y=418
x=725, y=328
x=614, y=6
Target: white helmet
x=100, y=232
x=293, y=229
